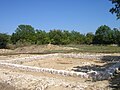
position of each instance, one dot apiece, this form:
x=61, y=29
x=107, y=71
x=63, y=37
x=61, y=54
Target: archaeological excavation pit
x=71, y=64
x=63, y=63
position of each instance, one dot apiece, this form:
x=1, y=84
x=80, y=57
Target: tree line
x=27, y=35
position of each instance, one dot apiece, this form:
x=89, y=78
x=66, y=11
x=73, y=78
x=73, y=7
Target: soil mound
x=40, y=48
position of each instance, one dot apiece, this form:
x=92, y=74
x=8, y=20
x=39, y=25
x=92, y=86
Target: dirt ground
x=62, y=63
x=15, y=79
x=22, y=80
x=4, y=86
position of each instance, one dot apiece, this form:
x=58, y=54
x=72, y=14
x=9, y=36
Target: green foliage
x=42, y=37
x=76, y=38
x=116, y=8
x=24, y=33
x=89, y=38
x=4, y=40
x=56, y=37
x=102, y=35
x=65, y=37
x=116, y=36
x=27, y=35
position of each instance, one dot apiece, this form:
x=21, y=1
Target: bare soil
x=62, y=63
x=15, y=79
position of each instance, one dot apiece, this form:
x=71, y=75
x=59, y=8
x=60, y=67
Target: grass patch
x=95, y=48
x=76, y=49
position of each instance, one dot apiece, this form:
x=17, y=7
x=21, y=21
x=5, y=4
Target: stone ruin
x=96, y=75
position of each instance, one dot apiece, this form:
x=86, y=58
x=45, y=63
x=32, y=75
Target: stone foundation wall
x=91, y=74
x=105, y=57
x=51, y=71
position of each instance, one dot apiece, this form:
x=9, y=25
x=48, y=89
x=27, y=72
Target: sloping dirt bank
x=36, y=49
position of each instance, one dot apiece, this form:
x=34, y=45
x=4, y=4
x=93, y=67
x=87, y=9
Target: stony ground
x=43, y=81
x=16, y=79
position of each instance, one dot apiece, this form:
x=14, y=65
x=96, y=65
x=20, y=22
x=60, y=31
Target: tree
x=55, y=37
x=76, y=37
x=42, y=37
x=24, y=34
x=4, y=40
x=116, y=36
x=89, y=38
x=116, y=8
x=65, y=37
x=102, y=35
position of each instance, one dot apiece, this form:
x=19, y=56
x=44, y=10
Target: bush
x=4, y=40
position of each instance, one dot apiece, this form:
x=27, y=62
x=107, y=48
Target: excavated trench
x=88, y=69
x=57, y=71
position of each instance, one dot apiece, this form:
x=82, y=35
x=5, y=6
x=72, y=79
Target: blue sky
x=79, y=15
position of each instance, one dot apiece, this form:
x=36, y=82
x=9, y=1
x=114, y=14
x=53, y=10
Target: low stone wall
x=51, y=71
x=105, y=57
x=99, y=75
x=29, y=59
x=92, y=74
x=82, y=56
